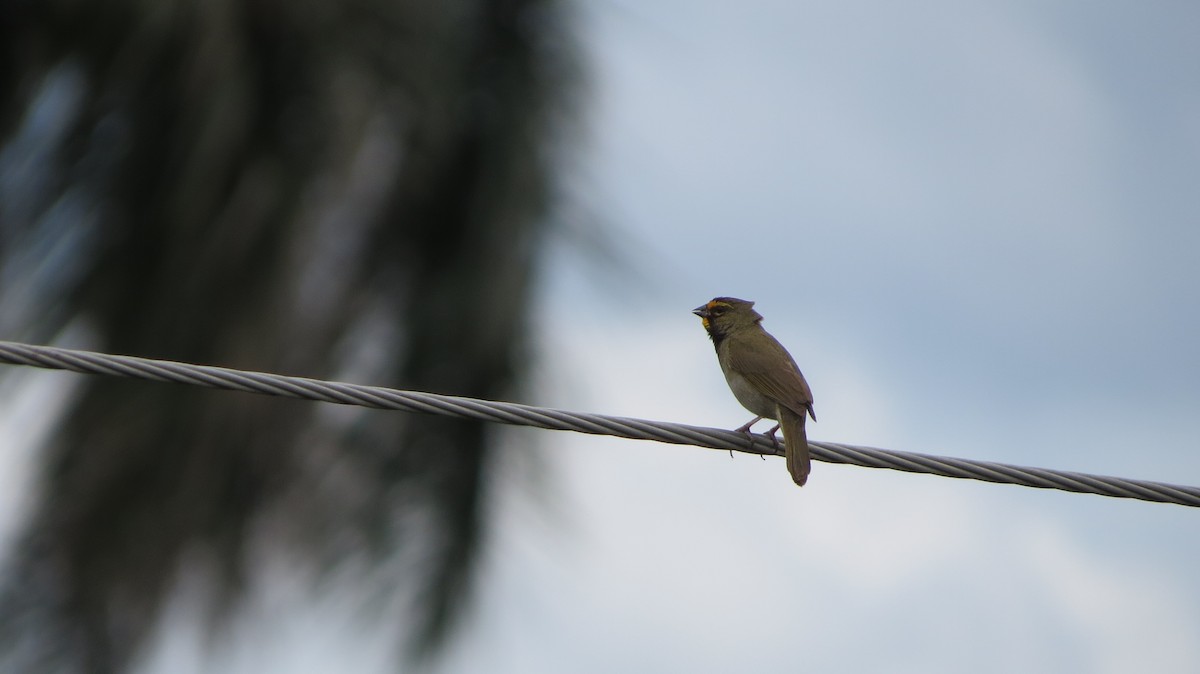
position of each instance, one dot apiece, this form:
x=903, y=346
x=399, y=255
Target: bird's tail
x=795, y=442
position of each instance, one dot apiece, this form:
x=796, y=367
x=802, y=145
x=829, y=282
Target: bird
x=762, y=375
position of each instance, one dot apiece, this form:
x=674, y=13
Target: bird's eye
x=717, y=311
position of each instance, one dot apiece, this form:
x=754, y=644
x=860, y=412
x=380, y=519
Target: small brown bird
x=762, y=375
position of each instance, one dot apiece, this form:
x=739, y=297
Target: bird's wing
x=785, y=384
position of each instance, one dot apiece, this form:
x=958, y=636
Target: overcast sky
x=975, y=227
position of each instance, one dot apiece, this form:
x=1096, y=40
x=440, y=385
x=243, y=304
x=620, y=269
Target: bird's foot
x=745, y=428
x=771, y=433
x=774, y=440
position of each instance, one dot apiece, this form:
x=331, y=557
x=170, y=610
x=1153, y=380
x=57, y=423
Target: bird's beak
x=701, y=311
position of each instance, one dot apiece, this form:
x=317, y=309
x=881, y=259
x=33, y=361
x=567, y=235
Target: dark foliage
x=334, y=189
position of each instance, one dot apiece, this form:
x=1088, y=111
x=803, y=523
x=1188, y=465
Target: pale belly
x=749, y=397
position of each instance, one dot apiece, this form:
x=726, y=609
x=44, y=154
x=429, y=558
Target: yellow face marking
x=710, y=306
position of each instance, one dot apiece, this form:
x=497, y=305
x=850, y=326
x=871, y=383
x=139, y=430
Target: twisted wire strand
x=597, y=424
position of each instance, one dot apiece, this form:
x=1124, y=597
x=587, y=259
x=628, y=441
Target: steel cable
x=597, y=424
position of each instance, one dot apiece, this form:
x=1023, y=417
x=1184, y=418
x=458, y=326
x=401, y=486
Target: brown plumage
x=762, y=375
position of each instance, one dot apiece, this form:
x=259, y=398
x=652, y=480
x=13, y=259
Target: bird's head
x=723, y=315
